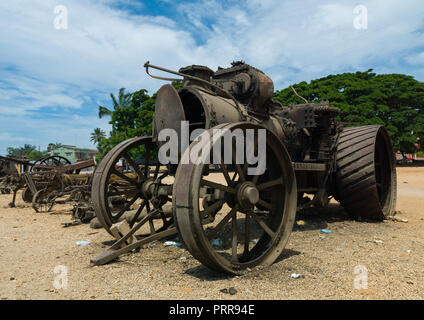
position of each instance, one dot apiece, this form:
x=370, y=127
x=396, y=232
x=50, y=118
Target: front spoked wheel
x=125, y=185
x=233, y=220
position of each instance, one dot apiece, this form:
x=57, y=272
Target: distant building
x=73, y=153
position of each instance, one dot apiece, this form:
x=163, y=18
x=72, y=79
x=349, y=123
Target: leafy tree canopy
x=132, y=116
x=27, y=151
x=97, y=135
x=130, y=120
x=393, y=100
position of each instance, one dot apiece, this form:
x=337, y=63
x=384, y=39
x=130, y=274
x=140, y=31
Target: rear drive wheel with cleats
x=366, y=172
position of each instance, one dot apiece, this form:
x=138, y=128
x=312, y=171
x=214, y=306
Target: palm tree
x=97, y=135
x=124, y=100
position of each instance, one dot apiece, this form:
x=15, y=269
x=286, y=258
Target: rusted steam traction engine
x=251, y=216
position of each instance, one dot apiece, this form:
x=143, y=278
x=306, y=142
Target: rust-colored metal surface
x=228, y=218
x=167, y=99
x=45, y=180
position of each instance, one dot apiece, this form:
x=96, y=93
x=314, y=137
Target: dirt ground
x=35, y=245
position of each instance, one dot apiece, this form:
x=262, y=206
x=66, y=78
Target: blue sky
x=52, y=81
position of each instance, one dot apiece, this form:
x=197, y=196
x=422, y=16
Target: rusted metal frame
x=328, y=171
x=147, y=65
x=27, y=163
x=69, y=167
x=77, y=166
x=30, y=182
x=111, y=254
x=115, y=250
x=219, y=186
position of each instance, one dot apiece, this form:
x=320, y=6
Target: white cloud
x=9, y=137
x=416, y=59
x=73, y=130
x=300, y=40
x=69, y=72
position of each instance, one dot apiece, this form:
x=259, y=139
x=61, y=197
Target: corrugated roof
x=76, y=148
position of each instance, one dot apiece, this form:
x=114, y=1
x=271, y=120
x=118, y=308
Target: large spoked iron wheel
x=231, y=220
x=366, y=172
x=124, y=184
x=51, y=161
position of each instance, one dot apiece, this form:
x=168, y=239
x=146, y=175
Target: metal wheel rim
x=43, y=206
x=385, y=171
x=58, y=161
x=102, y=177
x=191, y=229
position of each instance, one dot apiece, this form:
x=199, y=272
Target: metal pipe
x=147, y=65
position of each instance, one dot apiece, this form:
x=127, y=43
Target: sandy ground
x=33, y=246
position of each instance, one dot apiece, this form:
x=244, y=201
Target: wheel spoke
x=225, y=173
x=211, y=208
x=162, y=215
x=146, y=162
x=151, y=225
x=117, y=244
x=264, y=226
x=234, y=239
x=270, y=184
x=240, y=172
x=255, y=179
x=222, y=223
x=265, y=204
x=260, y=212
x=121, y=192
x=137, y=214
x=156, y=171
x=215, y=185
x=123, y=176
x=133, y=165
x=255, y=151
x=245, y=167
x=126, y=207
x=246, y=233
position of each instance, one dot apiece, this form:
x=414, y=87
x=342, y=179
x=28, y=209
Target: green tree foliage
x=123, y=102
x=35, y=155
x=97, y=135
x=393, y=100
x=132, y=116
x=20, y=152
x=130, y=120
x=26, y=152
